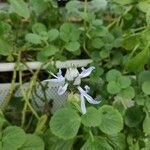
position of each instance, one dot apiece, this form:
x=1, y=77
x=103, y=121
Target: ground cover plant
x=116, y=36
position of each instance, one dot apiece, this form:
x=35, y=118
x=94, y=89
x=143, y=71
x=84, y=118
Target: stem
x=85, y=28
x=91, y=135
x=42, y=87
x=26, y=96
x=12, y=87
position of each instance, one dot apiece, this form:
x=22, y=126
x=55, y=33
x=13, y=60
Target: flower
x=59, y=78
x=83, y=74
x=84, y=95
x=73, y=74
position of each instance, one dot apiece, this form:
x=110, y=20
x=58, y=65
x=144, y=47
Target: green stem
x=12, y=87
x=91, y=135
x=85, y=28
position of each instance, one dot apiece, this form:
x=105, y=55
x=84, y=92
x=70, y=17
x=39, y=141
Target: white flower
x=62, y=89
x=83, y=74
x=84, y=95
x=58, y=79
x=71, y=74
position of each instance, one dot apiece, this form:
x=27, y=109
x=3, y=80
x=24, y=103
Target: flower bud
x=71, y=74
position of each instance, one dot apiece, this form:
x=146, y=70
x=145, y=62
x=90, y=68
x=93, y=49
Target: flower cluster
x=73, y=74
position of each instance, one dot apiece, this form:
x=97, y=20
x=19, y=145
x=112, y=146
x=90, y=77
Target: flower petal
x=59, y=74
x=86, y=72
x=88, y=97
x=91, y=100
x=77, y=81
x=83, y=107
x=62, y=89
x=87, y=88
x=52, y=74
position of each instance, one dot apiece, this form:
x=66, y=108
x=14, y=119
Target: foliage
x=115, y=34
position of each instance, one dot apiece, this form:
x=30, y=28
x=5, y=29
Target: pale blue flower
x=62, y=89
x=83, y=74
x=58, y=79
x=72, y=74
x=84, y=96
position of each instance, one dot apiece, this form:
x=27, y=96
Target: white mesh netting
x=39, y=96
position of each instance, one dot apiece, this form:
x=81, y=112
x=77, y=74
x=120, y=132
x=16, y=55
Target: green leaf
x=124, y=82
x=5, y=28
x=97, y=5
x=39, y=6
x=13, y=138
x=53, y=34
x=47, y=52
x=38, y=28
x=104, y=54
x=119, y=141
x=146, y=87
x=73, y=6
x=112, y=121
x=113, y=87
x=65, y=123
x=137, y=62
x=20, y=7
x=134, y=115
x=143, y=76
x=144, y=6
x=33, y=38
x=98, y=143
x=146, y=124
x=69, y=32
x=113, y=75
x=131, y=45
x=124, y=2
x=127, y=93
x=97, y=43
x=73, y=46
x=148, y=17
x=92, y=118
x=52, y=142
x=5, y=48
x=33, y=142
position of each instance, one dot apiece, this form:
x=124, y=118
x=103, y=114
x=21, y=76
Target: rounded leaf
x=73, y=46
x=143, y=76
x=92, y=118
x=146, y=87
x=65, y=123
x=113, y=75
x=33, y=142
x=13, y=138
x=38, y=28
x=124, y=82
x=97, y=43
x=133, y=116
x=127, y=93
x=97, y=144
x=112, y=121
x=53, y=34
x=33, y=38
x=113, y=87
x=20, y=7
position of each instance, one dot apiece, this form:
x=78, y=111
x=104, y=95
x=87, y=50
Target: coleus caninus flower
x=73, y=74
